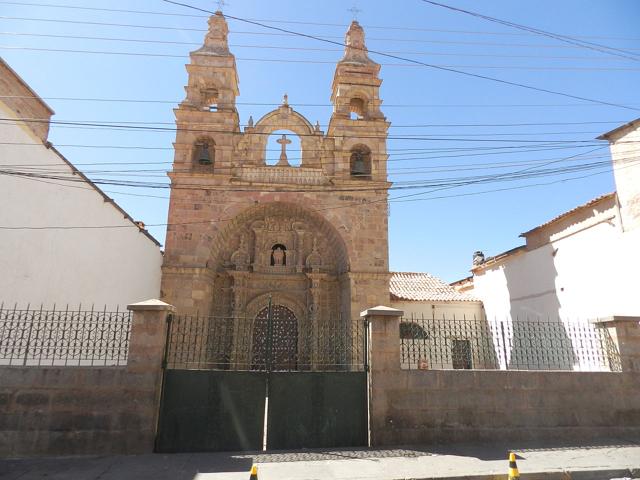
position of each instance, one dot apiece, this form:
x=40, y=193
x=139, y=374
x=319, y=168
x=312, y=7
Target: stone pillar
x=384, y=363
x=144, y=365
x=625, y=334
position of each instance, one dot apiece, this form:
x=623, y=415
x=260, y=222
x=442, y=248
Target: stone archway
x=235, y=236
x=307, y=277
x=255, y=140
x=275, y=337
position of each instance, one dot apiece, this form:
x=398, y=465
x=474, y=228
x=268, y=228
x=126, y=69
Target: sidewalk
x=607, y=460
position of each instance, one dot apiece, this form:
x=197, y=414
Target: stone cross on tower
x=355, y=11
x=284, y=141
x=221, y=4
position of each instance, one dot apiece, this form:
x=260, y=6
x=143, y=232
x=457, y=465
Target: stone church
x=313, y=238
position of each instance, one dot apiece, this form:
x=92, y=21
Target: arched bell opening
x=357, y=108
x=360, y=162
x=204, y=152
x=210, y=97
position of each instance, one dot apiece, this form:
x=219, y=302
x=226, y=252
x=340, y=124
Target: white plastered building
x=73, y=263
x=583, y=264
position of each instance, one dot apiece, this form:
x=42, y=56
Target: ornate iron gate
x=221, y=373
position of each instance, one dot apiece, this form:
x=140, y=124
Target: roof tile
x=424, y=287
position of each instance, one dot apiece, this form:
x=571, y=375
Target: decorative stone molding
x=281, y=175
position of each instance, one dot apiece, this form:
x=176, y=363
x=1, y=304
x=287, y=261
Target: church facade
x=311, y=240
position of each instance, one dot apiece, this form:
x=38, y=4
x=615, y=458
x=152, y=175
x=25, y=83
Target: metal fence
x=263, y=344
x=515, y=344
x=64, y=337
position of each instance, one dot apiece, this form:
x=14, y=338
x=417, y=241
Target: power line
x=140, y=126
x=417, y=62
x=274, y=104
x=306, y=49
x=520, y=187
x=331, y=62
x=412, y=170
x=526, y=173
x=563, y=38
x=297, y=22
x=229, y=219
x=414, y=137
x=391, y=201
x=413, y=125
x=327, y=37
x=491, y=134
x=458, y=151
x=45, y=165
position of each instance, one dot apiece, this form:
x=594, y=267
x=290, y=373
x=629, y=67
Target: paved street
x=605, y=460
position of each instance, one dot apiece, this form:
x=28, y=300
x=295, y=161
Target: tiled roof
x=589, y=204
x=424, y=287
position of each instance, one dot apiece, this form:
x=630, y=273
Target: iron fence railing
x=37, y=337
x=514, y=344
x=254, y=344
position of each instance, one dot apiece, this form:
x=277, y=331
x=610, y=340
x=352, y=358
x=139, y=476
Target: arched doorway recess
x=275, y=339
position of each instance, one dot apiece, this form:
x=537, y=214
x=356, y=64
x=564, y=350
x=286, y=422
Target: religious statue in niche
x=278, y=255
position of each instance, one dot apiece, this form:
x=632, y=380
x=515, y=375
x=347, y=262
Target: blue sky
x=437, y=235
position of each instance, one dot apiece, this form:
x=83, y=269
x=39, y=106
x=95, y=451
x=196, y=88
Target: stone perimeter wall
x=457, y=406
x=76, y=410
x=88, y=410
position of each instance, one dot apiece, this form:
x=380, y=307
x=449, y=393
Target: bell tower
x=357, y=123
x=207, y=119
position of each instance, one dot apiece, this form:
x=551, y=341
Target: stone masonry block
x=32, y=399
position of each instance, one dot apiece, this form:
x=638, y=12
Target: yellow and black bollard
x=254, y=473
x=513, y=468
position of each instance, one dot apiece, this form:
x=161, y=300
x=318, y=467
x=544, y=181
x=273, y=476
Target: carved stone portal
x=283, y=254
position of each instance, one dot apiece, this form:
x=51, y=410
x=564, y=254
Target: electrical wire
x=312, y=135
x=46, y=165
x=422, y=125
x=562, y=38
x=331, y=62
x=328, y=37
x=413, y=170
x=248, y=202
x=293, y=104
x=381, y=27
x=526, y=173
x=306, y=49
x=417, y=62
x=340, y=25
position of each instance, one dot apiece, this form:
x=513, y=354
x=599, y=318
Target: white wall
x=585, y=272
x=110, y=267
x=440, y=310
x=436, y=350
x=625, y=154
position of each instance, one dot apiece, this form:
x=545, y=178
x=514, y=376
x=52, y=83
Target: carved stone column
x=300, y=250
x=241, y=328
x=316, y=318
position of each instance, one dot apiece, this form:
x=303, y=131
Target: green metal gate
x=209, y=410
x=317, y=410
x=223, y=375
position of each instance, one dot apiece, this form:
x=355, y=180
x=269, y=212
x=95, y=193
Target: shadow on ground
x=187, y=466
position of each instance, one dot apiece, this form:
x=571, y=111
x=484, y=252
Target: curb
x=604, y=474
